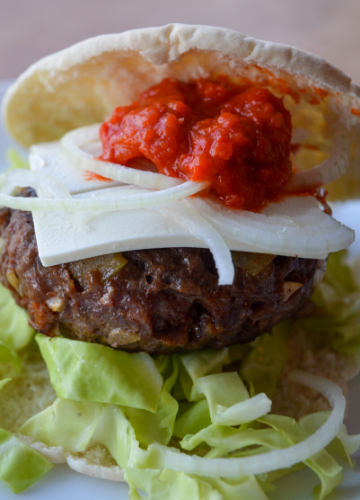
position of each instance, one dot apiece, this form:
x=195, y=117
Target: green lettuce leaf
x=20, y=466
x=70, y=424
x=116, y=433
x=263, y=366
x=198, y=364
x=228, y=439
x=339, y=273
x=228, y=399
x=171, y=485
x=159, y=426
x=9, y=360
x=144, y=473
x=73, y=424
x=337, y=299
x=343, y=446
x=222, y=390
x=3, y=382
x=193, y=417
x=16, y=160
x=92, y=372
x=233, y=489
x=15, y=331
x=323, y=464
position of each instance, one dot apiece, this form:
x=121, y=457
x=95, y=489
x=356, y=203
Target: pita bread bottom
x=95, y=461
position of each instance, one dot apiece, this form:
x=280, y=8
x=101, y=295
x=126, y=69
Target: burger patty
x=160, y=301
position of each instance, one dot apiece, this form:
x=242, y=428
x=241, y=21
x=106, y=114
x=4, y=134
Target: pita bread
x=84, y=83
x=95, y=461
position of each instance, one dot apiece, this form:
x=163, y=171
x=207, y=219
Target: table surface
x=32, y=29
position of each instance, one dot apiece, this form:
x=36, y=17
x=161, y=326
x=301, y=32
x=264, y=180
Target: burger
x=165, y=243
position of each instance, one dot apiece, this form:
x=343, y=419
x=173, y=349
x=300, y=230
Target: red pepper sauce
x=91, y=176
x=236, y=137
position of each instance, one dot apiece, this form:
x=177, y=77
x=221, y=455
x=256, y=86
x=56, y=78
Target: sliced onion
x=270, y=461
x=73, y=143
x=183, y=214
x=93, y=204
x=295, y=226
x=45, y=185
x=328, y=171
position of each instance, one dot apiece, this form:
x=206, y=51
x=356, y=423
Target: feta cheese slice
x=65, y=237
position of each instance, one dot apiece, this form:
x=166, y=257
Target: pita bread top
x=84, y=83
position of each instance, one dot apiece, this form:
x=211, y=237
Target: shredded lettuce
x=262, y=367
x=343, y=446
x=228, y=399
x=158, y=427
x=337, y=299
x=192, y=418
x=3, y=382
x=323, y=464
x=15, y=332
x=179, y=486
x=9, y=360
x=198, y=364
x=65, y=423
x=20, y=466
x=125, y=433
x=92, y=372
x=16, y=160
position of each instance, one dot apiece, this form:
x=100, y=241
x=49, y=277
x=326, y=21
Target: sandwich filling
x=156, y=300
x=237, y=137
x=233, y=143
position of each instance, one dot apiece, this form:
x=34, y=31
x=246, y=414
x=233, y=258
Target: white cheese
x=65, y=237
x=49, y=158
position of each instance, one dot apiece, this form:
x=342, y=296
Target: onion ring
x=72, y=144
x=65, y=204
x=328, y=171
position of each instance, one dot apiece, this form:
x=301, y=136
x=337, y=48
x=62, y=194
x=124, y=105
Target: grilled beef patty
x=161, y=301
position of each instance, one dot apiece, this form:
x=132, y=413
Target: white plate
x=61, y=482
